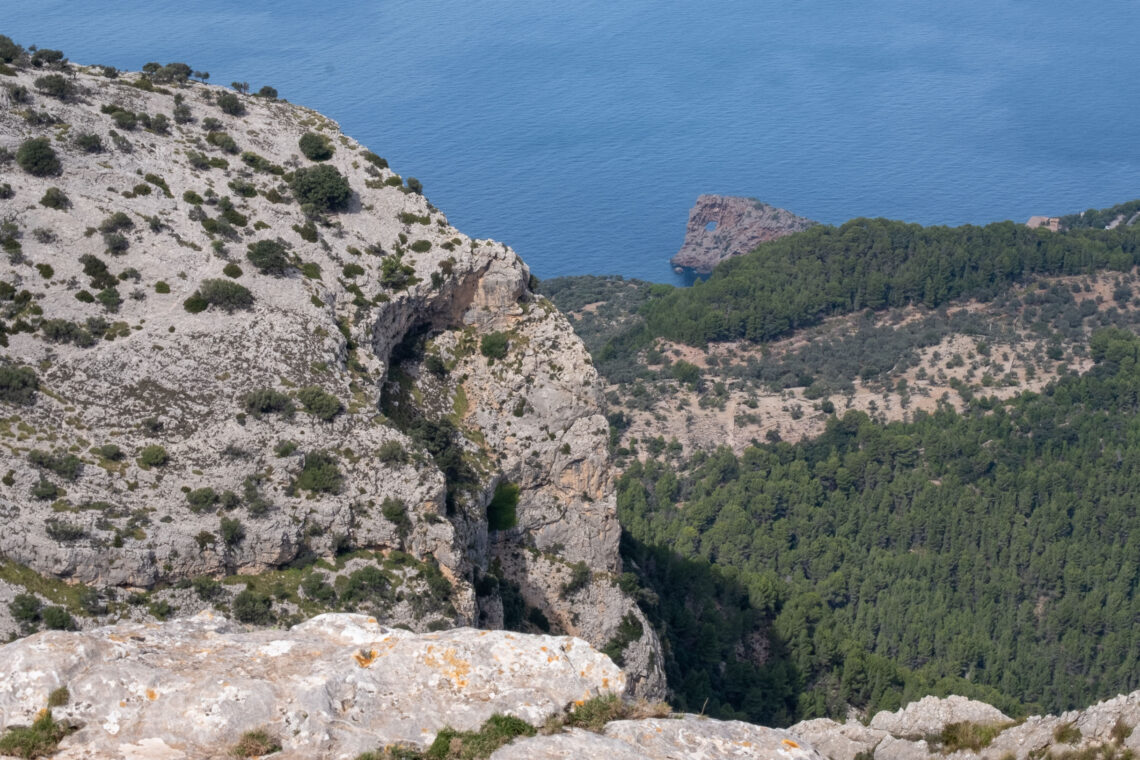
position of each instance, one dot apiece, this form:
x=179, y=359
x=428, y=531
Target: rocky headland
x=723, y=226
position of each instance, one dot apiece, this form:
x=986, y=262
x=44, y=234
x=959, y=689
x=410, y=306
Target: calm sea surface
x=580, y=133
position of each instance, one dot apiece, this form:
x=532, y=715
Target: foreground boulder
x=690, y=736
x=333, y=687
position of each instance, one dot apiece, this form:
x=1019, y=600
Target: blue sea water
x=580, y=133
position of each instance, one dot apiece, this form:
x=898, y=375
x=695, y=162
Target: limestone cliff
x=236, y=342
x=723, y=226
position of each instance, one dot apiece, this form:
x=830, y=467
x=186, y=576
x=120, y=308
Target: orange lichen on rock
x=453, y=667
x=790, y=743
x=151, y=694
x=364, y=658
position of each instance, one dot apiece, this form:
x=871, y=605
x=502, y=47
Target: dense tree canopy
x=798, y=280
x=993, y=552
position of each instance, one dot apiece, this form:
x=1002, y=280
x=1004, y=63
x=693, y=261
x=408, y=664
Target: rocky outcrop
x=689, y=736
x=930, y=714
x=342, y=400
x=916, y=731
x=723, y=226
x=335, y=686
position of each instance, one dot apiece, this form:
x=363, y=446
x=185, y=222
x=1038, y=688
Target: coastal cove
x=581, y=135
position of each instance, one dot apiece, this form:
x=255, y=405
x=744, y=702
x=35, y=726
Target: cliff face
x=232, y=379
x=737, y=226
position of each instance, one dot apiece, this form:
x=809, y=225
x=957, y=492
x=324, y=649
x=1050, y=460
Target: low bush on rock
x=36, y=156
x=225, y=294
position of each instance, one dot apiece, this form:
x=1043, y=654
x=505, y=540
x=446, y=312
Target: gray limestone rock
x=891, y=748
x=332, y=687
x=688, y=737
x=930, y=715
x=838, y=741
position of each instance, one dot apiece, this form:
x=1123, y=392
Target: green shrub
x=396, y=512
x=322, y=187
x=36, y=156
x=110, y=451
x=45, y=490
x=463, y=745
x=225, y=294
x=46, y=271
x=202, y=499
x=222, y=141
x=267, y=401
x=501, y=512
x=64, y=331
x=110, y=299
x=415, y=186
x=375, y=160
x=206, y=588
x=56, y=86
x=116, y=222
x=259, y=742
x=127, y=120
x=267, y=92
x=629, y=630
x=117, y=244
x=232, y=270
x=351, y=270
x=48, y=57
x=261, y=163
x=318, y=403
x=25, y=609
x=232, y=531
x=252, y=607
x=230, y=104
x=59, y=697
x=41, y=739
x=319, y=473
x=1067, y=733
x=59, y=530
x=243, y=188
x=368, y=585
x=9, y=50
x=395, y=274
x=579, y=579
x=58, y=619
x=55, y=198
x=18, y=385
x=161, y=287
x=160, y=183
x=89, y=142
x=269, y=257
x=6, y=191
x=494, y=345
x=153, y=456
x=594, y=714
x=315, y=147
x=970, y=736
x=66, y=465
x=284, y=448
x=421, y=246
